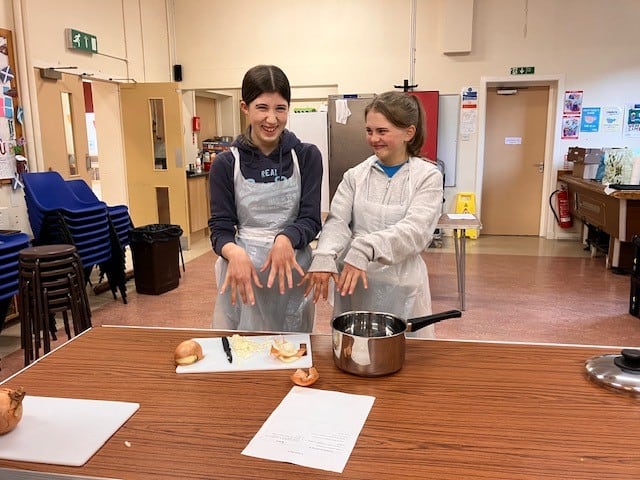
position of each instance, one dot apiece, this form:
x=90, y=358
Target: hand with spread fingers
x=319, y=283
x=348, y=280
x=241, y=275
x=281, y=262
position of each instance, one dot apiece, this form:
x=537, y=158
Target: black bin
x=155, y=250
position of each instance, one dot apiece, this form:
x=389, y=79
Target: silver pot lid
x=618, y=372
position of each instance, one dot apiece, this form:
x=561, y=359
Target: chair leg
x=65, y=319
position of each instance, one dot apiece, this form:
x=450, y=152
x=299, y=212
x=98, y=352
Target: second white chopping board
x=215, y=360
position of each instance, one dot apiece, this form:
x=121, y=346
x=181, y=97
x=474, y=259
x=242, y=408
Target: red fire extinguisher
x=564, y=218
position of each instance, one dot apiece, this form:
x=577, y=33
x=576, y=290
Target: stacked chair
x=58, y=216
x=51, y=280
x=118, y=214
x=10, y=246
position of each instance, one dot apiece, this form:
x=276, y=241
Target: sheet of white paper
x=461, y=216
x=313, y=428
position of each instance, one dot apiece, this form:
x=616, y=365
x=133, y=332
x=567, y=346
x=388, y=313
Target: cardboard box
x=586, y=171
x=585, y=155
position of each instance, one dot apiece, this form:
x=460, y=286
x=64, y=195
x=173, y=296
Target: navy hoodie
x=255, y=165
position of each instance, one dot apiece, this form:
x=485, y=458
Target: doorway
x=61, y=113
x=154, y=149
x=514, y=159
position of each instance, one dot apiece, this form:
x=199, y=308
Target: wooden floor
x=519, y=289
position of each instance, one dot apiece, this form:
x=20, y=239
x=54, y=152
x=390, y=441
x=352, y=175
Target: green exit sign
x=523, y=70
x=85, y=42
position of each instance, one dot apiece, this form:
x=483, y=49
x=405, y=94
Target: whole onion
x=187, y=352
x=10, y=408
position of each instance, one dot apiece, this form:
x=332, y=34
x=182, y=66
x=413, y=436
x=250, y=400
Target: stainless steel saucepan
x=372, y=344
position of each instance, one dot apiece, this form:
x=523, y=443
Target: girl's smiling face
x=389, y=142
x=267, y=115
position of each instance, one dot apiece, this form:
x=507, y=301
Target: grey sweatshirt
x=417, y=184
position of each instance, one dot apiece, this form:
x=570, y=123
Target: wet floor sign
x=466, y=203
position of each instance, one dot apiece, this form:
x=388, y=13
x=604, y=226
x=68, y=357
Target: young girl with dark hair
x=265, y=210
x=383, y=215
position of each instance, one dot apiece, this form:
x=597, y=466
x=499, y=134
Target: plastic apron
x=264, y=209
x=401, y=289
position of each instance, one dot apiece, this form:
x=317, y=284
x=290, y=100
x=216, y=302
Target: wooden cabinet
x=198, y=193
x=617, y=214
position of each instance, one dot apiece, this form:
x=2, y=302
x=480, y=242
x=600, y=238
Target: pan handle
x=415, y=324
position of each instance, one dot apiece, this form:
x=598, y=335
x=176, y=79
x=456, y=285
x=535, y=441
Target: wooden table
x=617, y=214
x=457, y=410
x=459, y=227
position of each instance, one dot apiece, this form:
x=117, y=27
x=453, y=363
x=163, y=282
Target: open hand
x=241, y=274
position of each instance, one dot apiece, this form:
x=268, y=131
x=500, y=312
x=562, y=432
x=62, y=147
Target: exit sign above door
x=523, y=70
x=85, y=42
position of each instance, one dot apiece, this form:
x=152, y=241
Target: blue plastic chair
x=119, y=214
x=56, y=215
x=10, y=246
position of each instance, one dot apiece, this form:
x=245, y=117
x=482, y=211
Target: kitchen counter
x=195, y=174
x=199, y=197
x=456, y=410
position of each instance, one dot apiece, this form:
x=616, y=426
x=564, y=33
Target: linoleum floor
x=518, y=289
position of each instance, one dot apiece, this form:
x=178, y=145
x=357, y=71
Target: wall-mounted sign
x=77, y=40
x=590, y=120
x=523, y=70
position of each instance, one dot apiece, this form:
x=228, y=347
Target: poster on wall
x=570, y=126
x=572, y=102
x=611, y=119
x=632, y=120
x=11, y=141
x=469, y=112
x=590, y=120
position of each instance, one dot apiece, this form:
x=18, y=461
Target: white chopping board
x=63, y=431
x=215, y=360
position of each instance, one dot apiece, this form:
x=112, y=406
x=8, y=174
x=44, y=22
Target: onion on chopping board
x=188, y=352
x=10, y=408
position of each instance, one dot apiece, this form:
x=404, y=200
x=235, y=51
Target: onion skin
x=188, y=352
x=10, y=408
x=304, y=379
x=285, y=353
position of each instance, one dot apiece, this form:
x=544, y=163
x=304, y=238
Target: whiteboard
x=311, y=127
x=448, y=119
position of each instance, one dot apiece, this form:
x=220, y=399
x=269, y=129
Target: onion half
x=10, y=408
x=188, y=352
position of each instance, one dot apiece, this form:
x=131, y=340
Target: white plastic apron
x=264, y=209
x=401, y=289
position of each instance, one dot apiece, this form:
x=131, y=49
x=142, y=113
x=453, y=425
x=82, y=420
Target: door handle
x=540, y=166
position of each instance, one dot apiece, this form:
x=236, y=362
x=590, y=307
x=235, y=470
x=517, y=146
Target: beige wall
x=358, y=45
x=364, y=46
x=133, y=42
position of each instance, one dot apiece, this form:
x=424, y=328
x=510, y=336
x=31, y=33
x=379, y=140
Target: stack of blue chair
x=58, y=216
x=10, y=246
x=118, y=214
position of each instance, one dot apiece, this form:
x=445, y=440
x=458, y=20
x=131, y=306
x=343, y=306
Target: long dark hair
x=402, y=110
x=265, y=79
